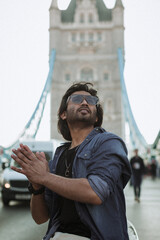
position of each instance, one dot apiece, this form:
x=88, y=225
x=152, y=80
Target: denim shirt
x=102, y=159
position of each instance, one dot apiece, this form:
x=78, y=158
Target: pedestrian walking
x=138, y=169
x=81, y=192
x=153, y=168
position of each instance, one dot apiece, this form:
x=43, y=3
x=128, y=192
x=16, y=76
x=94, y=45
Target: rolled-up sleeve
x=99, y=186
x=106, y=167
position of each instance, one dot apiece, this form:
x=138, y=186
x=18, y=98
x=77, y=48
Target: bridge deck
x=145, y=216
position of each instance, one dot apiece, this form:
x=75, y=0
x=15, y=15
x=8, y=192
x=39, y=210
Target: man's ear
x=63, y=115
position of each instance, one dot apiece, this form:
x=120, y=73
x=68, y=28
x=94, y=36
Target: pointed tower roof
x=68, y=14
x=54, y=4
x=118, y=3
x=104, y=13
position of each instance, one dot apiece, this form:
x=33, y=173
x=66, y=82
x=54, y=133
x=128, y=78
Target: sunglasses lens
x=92, y=100
x=77, y=99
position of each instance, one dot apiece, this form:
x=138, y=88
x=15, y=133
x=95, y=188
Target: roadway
x=16, y=221
x=145, y=215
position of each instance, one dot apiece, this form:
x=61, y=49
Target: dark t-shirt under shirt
x=70, y=221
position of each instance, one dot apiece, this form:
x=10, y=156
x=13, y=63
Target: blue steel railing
x=37, y=115
x=31, y=128
x=135, y=135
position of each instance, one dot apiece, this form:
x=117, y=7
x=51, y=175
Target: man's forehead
x=81, y=93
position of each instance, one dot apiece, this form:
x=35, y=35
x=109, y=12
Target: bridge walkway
x=145, y=216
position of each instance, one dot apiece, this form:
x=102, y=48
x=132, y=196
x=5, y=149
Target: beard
x=83, y=116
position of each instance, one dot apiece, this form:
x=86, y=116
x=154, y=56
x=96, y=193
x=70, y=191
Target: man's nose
x=84, y=101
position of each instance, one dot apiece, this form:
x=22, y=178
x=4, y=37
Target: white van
x=15, y=185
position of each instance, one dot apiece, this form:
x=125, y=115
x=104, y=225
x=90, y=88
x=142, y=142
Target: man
x=84, y=184
x=138, y=169
x=153, y=167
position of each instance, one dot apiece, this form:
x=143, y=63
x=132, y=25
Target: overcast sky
x=24, y=49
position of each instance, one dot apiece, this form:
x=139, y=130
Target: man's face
x=80, y=112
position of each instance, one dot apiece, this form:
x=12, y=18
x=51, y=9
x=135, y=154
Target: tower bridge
x=87, y=44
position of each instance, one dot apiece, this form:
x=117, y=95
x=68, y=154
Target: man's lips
x=84, y=110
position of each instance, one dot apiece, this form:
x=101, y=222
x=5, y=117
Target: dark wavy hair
x=81, y=86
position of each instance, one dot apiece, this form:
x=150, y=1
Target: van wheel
x=5, y=201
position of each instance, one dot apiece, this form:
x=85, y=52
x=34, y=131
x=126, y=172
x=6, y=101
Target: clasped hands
x=33, y=166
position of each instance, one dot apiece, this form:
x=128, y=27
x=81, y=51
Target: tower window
x=90, y=37
x=81, y=18
x=67, y=77
x=99, y=37
x=90, y=18
x=86, y=74
x=109, y=105
x=82, y=37
x=73, y=37
x=106, y=76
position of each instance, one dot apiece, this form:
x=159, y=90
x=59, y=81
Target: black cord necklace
x=67, y=171
x=67, y=167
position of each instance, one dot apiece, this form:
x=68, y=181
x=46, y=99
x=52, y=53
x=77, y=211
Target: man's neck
x=79, y=134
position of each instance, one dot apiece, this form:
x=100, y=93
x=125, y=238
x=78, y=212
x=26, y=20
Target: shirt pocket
x=82, y=163
x=85, y=155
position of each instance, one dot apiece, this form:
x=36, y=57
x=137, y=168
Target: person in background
x=138, y=169
x=153, y=166
x=81, y=192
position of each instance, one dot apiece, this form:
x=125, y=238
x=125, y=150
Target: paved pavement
x=145, y=216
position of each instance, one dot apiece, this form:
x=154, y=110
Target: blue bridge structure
x=32, y=126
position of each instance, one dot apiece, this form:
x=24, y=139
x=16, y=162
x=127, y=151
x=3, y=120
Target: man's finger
x=26, y=148
x=41, y=156
x=20, y=161
x=20, y=156
x=19, y=170
x=29, y=155
x=27, y=152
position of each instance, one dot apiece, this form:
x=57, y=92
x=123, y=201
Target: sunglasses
x=77, y=99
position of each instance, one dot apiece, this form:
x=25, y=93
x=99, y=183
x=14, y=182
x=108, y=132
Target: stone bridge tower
x=86, y=37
